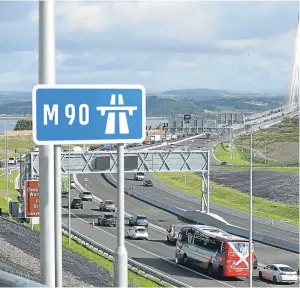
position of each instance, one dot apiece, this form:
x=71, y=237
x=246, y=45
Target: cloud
x=163, y=45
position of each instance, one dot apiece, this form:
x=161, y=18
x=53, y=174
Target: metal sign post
x=121, y=274
x=89, y=114
x=47, y=67
x=58, y=220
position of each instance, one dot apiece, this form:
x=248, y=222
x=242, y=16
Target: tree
x=23, y=125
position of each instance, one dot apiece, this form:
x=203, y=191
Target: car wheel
x=260, y=275
x=274, y=280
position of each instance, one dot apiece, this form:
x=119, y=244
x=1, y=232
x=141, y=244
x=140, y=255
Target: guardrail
x=133, y=266
x=10, y=280
x=209, y=219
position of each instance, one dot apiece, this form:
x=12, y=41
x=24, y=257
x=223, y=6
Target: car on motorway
x=72, y=184
x=12, y=161
x=139, y=176
x=86, y=196
x=77, y=203
x=107, y=219
x=138, y=220
x=137, y=232
x=148, y=183
x=278, y=273
x=107, y=205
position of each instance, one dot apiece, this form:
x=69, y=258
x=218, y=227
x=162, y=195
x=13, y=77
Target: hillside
x=169, y=102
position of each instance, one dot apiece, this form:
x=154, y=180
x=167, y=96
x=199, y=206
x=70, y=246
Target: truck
x=155, y=138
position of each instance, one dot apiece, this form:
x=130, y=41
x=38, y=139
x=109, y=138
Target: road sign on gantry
x=88, y=114
x=32, y=199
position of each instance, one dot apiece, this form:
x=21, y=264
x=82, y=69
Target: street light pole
x=121, y=257
x=47, y=75
x=69, y=199
x=6, y=162
x=250, y=211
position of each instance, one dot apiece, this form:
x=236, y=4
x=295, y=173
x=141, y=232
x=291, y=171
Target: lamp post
x=6, y=158
x=250, y=210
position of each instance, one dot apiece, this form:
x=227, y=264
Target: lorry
x=155, y=138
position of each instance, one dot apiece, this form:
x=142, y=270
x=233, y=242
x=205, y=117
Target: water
x=11, y=123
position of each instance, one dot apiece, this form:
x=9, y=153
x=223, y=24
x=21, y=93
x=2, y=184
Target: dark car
x=223, y=163
x=148, y=183
x=107, y=219
x=77, y=203
x=255, y=262
x=138, y=220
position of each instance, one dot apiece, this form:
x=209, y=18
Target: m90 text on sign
x=32, y=198
x=93, y=114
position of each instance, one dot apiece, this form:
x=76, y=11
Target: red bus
x=221, y=253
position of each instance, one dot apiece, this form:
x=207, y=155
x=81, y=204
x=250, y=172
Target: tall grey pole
x=250, y=212
x=58, y=221
x=208, y=181
x=6, y=163
x=121, y=263
x=69, y=199
x=47, y=75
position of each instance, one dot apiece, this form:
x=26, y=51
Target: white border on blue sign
x=88, y=86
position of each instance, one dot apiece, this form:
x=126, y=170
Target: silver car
x=86, y=196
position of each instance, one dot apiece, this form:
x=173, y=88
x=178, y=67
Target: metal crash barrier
x=10, y=280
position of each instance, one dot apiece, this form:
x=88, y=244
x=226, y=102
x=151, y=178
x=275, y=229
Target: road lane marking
x=148, y=252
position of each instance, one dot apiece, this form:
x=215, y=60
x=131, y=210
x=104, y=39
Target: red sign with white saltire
x=32, y=198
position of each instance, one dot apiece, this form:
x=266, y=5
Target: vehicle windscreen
x=141, y=230
x=286, y=269
x=141, y=218
x=140, y=173
x=87, y=193
x=77, y=200
x=109, y=216
x=109, y=202
x=13, y=159
x=241, y=247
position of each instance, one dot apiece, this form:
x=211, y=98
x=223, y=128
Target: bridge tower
x=293, y=93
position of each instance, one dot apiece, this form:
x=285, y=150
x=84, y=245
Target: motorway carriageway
x=155, y=253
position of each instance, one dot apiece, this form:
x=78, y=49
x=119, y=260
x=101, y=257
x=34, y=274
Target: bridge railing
x=11, y=280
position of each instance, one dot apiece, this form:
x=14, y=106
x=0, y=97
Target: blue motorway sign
x=88, y=114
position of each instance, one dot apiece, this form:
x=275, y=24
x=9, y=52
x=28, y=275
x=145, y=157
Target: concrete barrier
x=214, y=220
x=164, y=206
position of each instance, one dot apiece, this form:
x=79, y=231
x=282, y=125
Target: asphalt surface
x=155, y=253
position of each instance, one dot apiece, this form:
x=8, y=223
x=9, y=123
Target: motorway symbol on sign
x=32, y=199
x=88, y=114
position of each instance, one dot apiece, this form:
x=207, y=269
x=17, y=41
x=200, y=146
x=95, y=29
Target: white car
x=278, y=273
x=137, y=232
x=72, y=184
x=87, y=196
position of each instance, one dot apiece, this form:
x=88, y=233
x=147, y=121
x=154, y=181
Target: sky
x=237, y=46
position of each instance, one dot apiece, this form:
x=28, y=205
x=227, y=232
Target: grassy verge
x=12, y=193
x=233, y=198
x=135, y=280
x=263, y=168
x=225, y=156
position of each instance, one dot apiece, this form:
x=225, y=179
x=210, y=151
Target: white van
x=139, y=176
x=12, y=160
